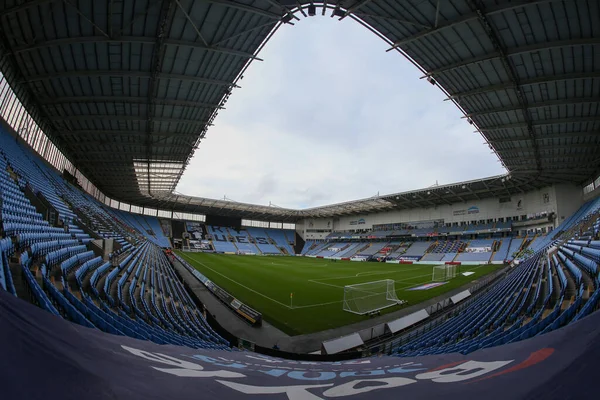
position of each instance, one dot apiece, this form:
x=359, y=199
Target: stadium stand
x=444, y=250
x=141, y=297
x=279, y=238
x=526, y=303
x=503, y=251
x=136, y=294
x=416, y=251
x=221, y=239
x=244, y=243
x=479, y=250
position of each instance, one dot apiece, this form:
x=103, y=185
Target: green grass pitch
x=265, y=283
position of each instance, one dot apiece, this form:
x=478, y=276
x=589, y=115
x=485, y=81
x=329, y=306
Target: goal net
x=443, y=272
x=364, y=298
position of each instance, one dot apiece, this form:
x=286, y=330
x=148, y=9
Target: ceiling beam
x=123, y=74
x=126, y=134
x=227, y=3
x=478, y=8
x=542, y=122
x=499, y=8
x=107, y=117
x=25, y=48
x=25, y=5
x=126, y=100
x=541, y=137
x=163, y=29
x=513, y=51
x=245, y=7
x=524, y=82
x=587, y=146
x=541, y=104
x=573, y=160
x=108, y=149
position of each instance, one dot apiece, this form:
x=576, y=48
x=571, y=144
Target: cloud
x=329, y=116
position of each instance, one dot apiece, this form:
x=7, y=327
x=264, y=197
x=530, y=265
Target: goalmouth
x=443, y=272
x=370, y=297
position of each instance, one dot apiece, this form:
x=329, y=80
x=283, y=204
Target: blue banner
x=45, y=357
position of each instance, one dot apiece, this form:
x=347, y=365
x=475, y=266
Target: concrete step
x=18, y=281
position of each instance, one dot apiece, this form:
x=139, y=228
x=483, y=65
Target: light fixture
x=338, y=12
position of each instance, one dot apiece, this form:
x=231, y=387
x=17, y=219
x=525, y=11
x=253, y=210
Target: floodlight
x=338, y=12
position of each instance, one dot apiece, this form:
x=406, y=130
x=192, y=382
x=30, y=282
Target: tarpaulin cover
x=45, y=357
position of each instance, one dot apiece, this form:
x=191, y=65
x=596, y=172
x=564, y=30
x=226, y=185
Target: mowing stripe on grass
x=380, y=272
x=236, y=282
x=317, y=286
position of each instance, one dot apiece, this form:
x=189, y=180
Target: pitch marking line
x=341, y=301
x=323, y=283
x=320, y=283
x=380, y=272
x=244, y=286
x=397, y=289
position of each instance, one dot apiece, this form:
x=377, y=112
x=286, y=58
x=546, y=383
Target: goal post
x=369, y=297
x=443, y=272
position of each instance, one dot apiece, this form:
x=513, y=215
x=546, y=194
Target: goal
x=443, y=273
x=365, y=298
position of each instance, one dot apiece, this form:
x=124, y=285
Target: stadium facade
x=557, y=202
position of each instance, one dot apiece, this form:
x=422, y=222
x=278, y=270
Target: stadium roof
x=128, y=89
x=496, y=186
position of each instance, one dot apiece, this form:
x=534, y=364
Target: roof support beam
x=512, y=52
x=245, y=7
x=585, y=147
x=167, y=13
x=576, y=172
x=541, y=137
x=126, y=134
x=575, y=159
x=540, y=123
x=540, y=104
x=107, y=117
x=500, y=8
x=525, y=82
x=362, y=15
x=227, y=3
x=355, y=8
x=25, y=5
x=244, y=32
x=123, y=74
x=127, y=39
x=124, y=99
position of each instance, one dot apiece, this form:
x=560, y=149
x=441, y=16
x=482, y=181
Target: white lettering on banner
x=348, y=388
x=184, y=368
x=462, y=372
x=192, y=373
x=296, y=392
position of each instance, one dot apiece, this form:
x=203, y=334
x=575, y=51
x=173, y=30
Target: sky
x=330, y=116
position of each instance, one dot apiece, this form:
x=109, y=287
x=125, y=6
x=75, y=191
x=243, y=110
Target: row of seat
x=525, y=303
